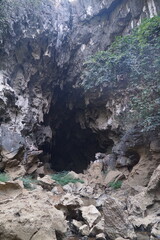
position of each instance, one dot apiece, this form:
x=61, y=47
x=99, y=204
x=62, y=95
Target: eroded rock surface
x=47, y=121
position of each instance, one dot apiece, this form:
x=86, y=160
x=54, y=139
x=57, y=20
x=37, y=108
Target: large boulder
x=34, y=217
x=116, y=219
x=10, y=141
x=90, y=214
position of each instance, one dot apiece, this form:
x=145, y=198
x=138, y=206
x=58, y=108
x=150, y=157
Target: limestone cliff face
x=43, y=45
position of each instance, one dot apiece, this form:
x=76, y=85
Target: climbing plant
x=131, y=62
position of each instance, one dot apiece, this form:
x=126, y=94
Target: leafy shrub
x=4, y=177
x=132, y=62
x=64, y=178
x=115, y=185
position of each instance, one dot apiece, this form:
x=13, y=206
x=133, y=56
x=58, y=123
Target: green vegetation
x=28, y=182
x=132, y=62
x=64, y=178
x=4, y=177
x=115, y=185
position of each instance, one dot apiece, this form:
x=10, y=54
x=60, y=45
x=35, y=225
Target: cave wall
x=43, y=45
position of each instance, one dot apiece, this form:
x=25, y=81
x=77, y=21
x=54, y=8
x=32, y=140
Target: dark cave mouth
x=72, y=147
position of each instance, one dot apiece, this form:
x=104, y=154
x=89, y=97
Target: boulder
x=101, y=200
x=94, y=172
x=16, y=172
x=72, y=174
x=100, y=236
x=86, y=191
x=154, y=182
x=11, y=141
x=58, y=190
x=123, y=161
x=40, y=171
x=70, y=200
x=111, y=176
x=77, y=224
x=138, y=204
x=90, y=214
x=10, y=190
x=46, y=182
x=34, y=217
x=98, y=228
x=116, y=222
x=84, y=230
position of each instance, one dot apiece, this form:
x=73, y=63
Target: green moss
x=131, y=62
x=64, y=178
x=4, y=177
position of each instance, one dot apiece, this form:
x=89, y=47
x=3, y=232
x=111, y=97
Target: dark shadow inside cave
x=72, y=147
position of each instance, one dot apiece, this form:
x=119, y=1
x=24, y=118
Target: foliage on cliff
x=132, y=62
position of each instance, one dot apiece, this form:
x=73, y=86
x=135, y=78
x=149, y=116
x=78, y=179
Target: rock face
x=43, y=46
x=47, y=121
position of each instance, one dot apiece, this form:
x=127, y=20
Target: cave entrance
x=72, y=148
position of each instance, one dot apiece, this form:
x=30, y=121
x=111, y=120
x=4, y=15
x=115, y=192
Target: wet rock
x=90, y=214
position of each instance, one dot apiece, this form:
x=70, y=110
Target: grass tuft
x=63, y=178
x=115, y=185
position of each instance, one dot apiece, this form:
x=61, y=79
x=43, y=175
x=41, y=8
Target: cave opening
x=73, y=147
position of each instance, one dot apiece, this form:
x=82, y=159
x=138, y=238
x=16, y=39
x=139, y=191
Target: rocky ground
x=48, y=122
x=93, y=208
